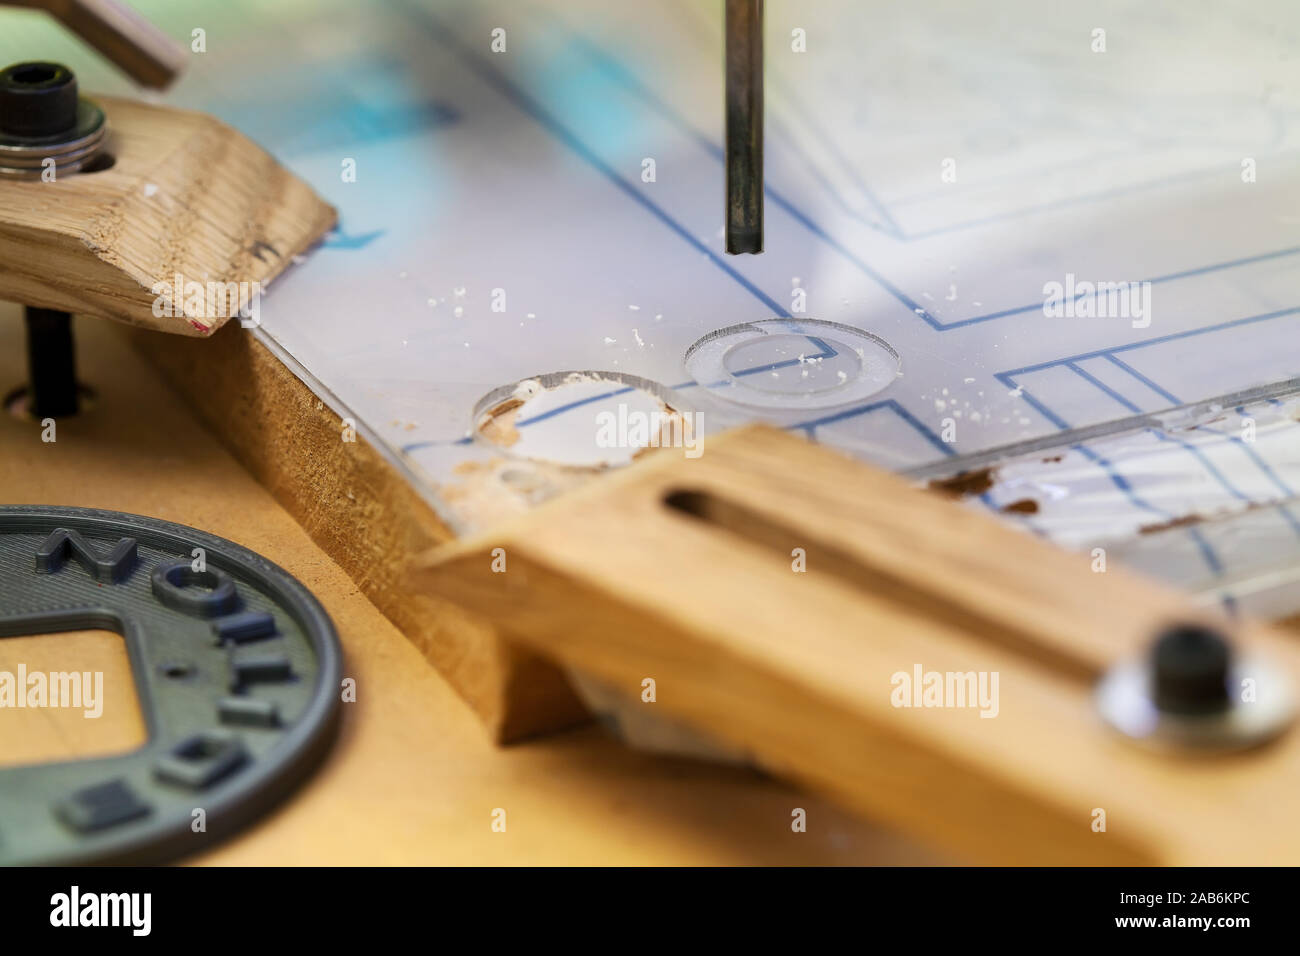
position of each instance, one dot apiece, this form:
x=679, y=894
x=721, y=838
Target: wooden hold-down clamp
x=908, y=655
x=156, y=217
x=185, y=195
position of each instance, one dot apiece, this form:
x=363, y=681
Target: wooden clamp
x=185, y=196
x=685, y=572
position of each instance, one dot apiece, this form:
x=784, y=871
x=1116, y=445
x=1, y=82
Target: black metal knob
x=1190, y=665
x=37, y=100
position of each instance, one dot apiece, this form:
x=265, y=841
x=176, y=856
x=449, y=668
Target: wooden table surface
x=412, y=778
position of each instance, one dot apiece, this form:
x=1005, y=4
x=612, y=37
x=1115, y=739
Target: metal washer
x=24, y=157
x=1124, y=699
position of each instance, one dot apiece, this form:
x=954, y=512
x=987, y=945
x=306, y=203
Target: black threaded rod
x=40, y=100
x=51, y=364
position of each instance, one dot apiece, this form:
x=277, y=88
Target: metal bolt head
x=37, y=100
x=1189, y=670
x=1178, y=698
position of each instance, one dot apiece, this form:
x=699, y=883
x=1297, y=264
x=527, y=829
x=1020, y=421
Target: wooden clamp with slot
x=682, y=571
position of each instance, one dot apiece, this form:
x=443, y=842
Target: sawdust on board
x=498, y=423
x=964, y=483
x=1182, y=521
x=499, y=488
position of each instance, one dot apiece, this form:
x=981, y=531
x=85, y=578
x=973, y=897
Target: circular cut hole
x=793, y=364
x=581, y=419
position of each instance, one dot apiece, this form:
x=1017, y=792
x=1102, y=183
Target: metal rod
x=744, y=69
x=51, y=363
